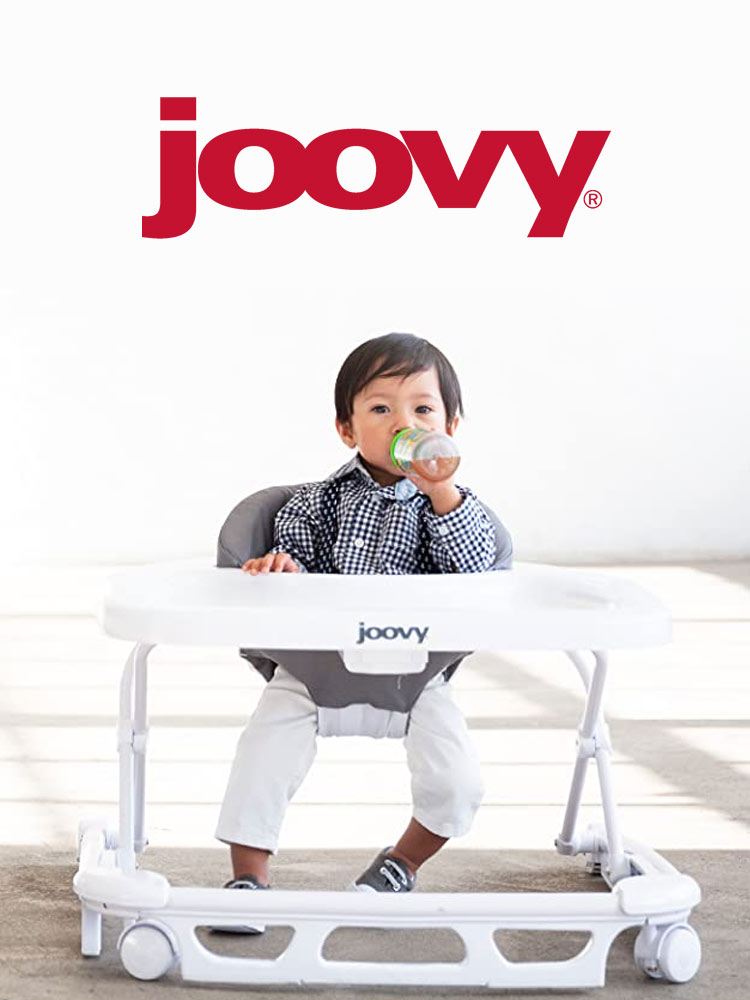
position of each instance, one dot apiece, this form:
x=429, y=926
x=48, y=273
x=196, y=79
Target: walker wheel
x=148, y=949
x=672, y=953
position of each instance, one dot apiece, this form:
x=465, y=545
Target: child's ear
x=450, y=428
x=345, y=433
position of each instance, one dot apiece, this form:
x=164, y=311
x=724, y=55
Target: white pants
x=278, y=746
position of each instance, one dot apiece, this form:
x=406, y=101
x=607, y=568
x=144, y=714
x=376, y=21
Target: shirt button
x=359, y=543
x=443, y=530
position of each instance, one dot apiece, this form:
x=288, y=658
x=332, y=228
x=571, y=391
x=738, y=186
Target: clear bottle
x=429, y=454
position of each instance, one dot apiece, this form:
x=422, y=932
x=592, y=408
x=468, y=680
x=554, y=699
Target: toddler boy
x=367, y=517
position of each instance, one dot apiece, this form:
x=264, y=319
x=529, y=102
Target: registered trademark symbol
x=592, y=198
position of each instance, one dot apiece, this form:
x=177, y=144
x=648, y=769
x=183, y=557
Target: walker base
x=161, y=921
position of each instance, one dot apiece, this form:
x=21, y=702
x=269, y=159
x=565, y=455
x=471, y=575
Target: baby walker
x=583, y=614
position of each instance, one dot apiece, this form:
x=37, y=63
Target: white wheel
x=672, y=953
x=680, y=953
x=147, y=949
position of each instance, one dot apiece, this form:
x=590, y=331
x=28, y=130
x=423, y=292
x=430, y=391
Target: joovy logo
x=391, y=632
x=298, y=169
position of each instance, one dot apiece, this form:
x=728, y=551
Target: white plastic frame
x=646, y=890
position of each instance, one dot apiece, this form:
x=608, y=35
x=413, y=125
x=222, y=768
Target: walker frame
x=159, y=920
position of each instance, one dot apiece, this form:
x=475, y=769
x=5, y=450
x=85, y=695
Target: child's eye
x=381, y=407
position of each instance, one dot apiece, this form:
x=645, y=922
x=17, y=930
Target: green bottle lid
x=393, y=444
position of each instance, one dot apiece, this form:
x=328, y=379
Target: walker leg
x=594, y=741
x=618, y=864
x=132, y=751
x=91, y=932
x=569, y=842
x=140, y=738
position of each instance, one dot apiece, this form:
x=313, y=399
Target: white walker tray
x=386, y=624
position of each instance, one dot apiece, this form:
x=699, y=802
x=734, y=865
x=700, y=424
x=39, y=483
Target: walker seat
x=349, y=702
x=365, y=620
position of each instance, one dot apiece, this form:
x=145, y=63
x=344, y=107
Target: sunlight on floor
x=679, y=717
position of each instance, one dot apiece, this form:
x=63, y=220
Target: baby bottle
x=429, y=454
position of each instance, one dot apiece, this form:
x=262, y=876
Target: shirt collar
x=402, y=490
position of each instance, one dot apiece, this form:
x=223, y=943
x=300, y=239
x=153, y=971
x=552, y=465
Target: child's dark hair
x=394, y=354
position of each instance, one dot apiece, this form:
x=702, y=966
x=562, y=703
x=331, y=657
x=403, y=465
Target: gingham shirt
x=351, y=524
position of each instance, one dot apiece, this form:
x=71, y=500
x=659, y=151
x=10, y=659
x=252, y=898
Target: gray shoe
x=242, y=882
x=385, y=874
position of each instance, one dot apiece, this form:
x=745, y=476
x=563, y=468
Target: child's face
x=386, y=406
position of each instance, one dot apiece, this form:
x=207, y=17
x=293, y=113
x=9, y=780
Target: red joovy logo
x=312, y=168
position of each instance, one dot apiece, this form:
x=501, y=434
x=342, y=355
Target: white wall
x=147, y=385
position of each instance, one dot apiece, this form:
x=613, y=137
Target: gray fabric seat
x=246, y=534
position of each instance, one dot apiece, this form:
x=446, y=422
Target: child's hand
x=274, y=562
x=430, y=488
x=444, y=496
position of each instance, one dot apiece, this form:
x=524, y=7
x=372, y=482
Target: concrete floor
x=679, y=717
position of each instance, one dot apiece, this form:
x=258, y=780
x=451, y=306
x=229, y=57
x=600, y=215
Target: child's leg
x=417, y=845
x=273, y=755
x=445, y=776
x=250, y=861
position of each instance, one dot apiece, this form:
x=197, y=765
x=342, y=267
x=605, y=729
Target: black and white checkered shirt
x=351, y=524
